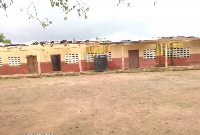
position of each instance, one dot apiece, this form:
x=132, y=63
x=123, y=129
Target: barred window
x=177, y=52
x=109, y=56
x=14, y=61
x=149, y=54
x=71, y=58
x=1, y=65
x=89, y=57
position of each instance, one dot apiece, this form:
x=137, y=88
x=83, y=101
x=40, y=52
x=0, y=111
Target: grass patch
x=183, y=105
x=156, y=104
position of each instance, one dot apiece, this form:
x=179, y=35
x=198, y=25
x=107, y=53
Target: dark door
x=133, y=58
x=32, y=64
x=55, y=60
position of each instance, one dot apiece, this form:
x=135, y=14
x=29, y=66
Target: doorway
x=133, y=58
x=32, y=64
x=55, y=61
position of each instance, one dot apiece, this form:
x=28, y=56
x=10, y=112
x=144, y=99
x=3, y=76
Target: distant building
x=1, y=44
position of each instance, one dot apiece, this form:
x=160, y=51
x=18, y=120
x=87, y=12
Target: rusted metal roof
x=127, y=42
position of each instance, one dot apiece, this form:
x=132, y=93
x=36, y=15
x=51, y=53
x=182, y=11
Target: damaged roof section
x=121, y=42
x=105, y=42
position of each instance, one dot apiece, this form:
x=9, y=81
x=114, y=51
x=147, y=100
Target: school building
x=78, y=57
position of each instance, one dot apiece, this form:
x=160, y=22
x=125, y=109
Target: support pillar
x=122, y=57
x=166, y=60
x=38, y=61
x=79, y=59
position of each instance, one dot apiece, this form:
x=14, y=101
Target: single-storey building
x=78, y=57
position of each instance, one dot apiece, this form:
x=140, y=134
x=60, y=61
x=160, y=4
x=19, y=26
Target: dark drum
x=100, y=63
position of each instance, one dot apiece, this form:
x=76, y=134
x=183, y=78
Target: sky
x=142, y=20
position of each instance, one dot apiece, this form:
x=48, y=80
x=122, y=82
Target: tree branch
x=29, y=14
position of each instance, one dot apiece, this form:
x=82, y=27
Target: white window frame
x=1, y=64
x=14, y=61
x=71, y=58
x=89, y=57
x=149, y=54
x=177, y=52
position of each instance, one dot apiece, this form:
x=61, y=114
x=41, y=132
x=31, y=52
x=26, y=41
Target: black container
x=100, y=63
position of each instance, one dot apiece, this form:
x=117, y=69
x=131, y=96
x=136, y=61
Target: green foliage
x=4, y=4
x=100, y=39
x=34, y=15
x=123, y=2
x=80, y=7
x=4, y=40
x=74, y=40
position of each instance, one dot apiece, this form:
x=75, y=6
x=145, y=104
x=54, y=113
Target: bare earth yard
x=151, y=103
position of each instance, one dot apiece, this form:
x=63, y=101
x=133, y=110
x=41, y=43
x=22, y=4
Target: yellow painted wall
x=98, y=49
x=43, y=52
x=17, y=51
x=117, y=49
x=46, y=51
x=193, y=45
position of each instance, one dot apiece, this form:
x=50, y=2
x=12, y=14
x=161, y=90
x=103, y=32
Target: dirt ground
x=147, y=103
